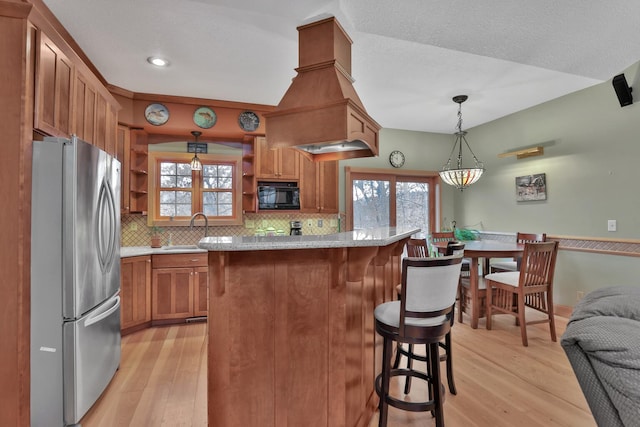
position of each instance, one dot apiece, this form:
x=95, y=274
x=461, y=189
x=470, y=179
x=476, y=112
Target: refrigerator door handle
x=106, y=229
x=97, y=317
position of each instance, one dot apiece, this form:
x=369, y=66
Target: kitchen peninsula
x=291, y=336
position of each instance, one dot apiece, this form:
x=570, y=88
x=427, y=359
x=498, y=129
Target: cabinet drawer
x=198, y=259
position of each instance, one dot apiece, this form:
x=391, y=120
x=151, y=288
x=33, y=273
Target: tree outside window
x=381, y=198
x=178, y=192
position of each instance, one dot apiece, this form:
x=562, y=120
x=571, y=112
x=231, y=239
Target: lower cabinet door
x=135, y=291
x=201, y=291
x=172, y=293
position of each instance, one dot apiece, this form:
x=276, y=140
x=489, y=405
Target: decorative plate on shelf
x=204, y=117
x=156, y=114
x=248, y=121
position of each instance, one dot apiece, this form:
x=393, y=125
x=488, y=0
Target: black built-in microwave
x=278, y=195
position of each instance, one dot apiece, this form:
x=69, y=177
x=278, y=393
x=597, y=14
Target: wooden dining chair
x=442, y=236
x=418, y=248
x=510, y=292
x=514, y=265
x=449, y=236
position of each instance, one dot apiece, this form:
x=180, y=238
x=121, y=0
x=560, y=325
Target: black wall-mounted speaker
x=623, y=91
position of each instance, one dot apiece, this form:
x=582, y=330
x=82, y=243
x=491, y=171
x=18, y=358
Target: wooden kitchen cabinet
x=123, y=145
x=69, y=99
x=53, y=89
x=249, y=200
x=85, y=109
x=135, y=293
x=318, y=186
x=172, y=293
x=106, y=125
x=179, y=286
x=279, y=164
x=95, y=117
x=200, y=291
x=138, y=173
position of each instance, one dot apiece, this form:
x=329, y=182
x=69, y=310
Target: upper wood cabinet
x=85, y=109
x=95, y=118
x=69, y=99
x=54, y=74
x=318, y=186
x=280, y=163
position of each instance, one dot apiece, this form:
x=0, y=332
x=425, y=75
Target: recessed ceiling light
x=157, y=61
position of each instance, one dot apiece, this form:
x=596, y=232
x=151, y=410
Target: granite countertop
x=381, y=236
x=129, y=251
x=369, y=237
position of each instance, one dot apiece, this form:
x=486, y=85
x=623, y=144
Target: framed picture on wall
x=531, y=187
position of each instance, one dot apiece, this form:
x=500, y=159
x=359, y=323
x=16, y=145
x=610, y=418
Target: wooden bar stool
x=423, y=315
x=453, y=248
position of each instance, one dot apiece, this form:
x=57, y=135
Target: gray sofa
x=602, y=342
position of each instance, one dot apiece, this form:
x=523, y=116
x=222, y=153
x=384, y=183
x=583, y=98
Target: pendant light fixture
x=196, y=164
x=459, y=176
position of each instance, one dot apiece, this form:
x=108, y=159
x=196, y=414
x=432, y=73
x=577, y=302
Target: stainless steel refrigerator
x=75, y=278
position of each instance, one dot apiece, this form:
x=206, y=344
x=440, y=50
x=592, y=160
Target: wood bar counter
x=291, y=336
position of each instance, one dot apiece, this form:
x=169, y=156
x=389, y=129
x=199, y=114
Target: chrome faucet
x=206, y=222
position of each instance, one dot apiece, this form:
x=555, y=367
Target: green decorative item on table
x=465, y=234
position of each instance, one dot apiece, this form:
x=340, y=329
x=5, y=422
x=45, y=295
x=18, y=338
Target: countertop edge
x=381, y=236
x=132, y=251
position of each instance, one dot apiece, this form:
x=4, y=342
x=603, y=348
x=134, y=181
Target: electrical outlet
x=612, y=225
x=333, y=223
x=133, y=226
x=309, y=223
x=319, y=223
x=579, y=295
x=249, y=223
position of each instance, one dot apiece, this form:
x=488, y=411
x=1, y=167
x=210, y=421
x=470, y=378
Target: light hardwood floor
x=162, y=381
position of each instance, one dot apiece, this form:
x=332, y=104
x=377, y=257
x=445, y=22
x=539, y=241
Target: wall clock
x=204, y=117
x=396, y=158
x=156, y=114
x=248, y=121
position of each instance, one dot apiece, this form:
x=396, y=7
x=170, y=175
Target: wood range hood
x=321, y=113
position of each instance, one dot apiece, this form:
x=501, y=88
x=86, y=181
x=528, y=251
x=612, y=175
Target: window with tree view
x=370, y=203
x=380, y=199
x=181, y=192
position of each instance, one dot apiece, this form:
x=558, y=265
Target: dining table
x=476, y=250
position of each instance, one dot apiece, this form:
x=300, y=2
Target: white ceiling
x=409, y=57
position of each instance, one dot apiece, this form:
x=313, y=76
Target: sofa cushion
x=602, y=342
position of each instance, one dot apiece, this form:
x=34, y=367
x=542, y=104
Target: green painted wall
x=592, y=166
x=591, y=162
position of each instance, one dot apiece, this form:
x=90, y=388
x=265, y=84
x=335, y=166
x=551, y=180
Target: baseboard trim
x=562, y=310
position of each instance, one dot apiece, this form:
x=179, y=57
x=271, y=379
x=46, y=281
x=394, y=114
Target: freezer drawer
x=92, y=355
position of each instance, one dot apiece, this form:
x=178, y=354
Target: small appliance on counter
x=296, y=228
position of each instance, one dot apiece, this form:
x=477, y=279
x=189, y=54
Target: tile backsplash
x=135, y=231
